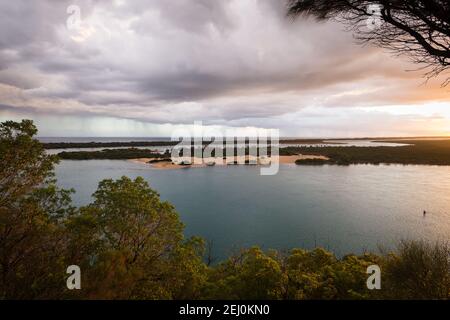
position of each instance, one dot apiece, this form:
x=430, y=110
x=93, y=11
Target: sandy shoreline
x=167, y=165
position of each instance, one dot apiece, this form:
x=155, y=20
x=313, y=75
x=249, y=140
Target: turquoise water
x=345, y=209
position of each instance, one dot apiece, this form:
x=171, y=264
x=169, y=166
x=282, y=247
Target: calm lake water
x=345, y=209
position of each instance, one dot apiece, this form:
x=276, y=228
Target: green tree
x=252, y=274
x=31, y=206
x=128, y=243
x=134, y=244
x=417, y=270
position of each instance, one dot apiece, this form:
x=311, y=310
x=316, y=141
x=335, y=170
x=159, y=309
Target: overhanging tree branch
x=419, y=29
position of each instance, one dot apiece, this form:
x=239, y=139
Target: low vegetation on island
x=130, y=245
x=312, y=162
x=112, y=154
x=425, y=152
x=129, y=144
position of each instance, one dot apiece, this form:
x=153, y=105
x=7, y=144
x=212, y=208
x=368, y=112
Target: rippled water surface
x=345, y=209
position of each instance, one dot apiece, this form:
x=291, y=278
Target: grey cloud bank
x=157, y=64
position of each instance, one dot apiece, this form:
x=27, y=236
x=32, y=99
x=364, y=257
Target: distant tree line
x=80, y=145
x=426, y=152
x=112, y=154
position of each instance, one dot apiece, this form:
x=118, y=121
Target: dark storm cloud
x=190, y=16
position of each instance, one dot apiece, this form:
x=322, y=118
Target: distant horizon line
x=281, y=138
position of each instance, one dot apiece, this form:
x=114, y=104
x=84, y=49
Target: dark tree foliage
x=419, y=29
x=31, y=206
x=429, y=152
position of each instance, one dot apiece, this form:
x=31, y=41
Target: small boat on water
x=210, y=163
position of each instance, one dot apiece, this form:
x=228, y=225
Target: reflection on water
x=367, y=143
x=344, y=209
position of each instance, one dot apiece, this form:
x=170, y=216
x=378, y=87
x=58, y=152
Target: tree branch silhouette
x=419, y=29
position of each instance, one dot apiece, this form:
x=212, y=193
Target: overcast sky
x=145, y=67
